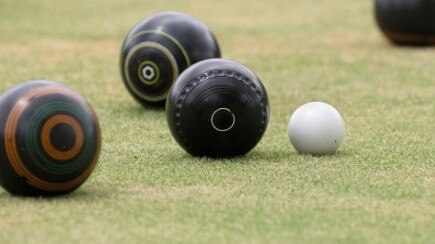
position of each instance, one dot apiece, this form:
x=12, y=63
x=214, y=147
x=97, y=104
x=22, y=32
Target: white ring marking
x=212, y=120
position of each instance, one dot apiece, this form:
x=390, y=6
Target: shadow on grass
x=148, y=108
x=290, y=155
x=134, y=107
x=336, y=155
x=122, y=110
x=80, y=195
x=252, y=157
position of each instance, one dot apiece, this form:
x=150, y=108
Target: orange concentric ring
x=47, y=144
x=13, y=152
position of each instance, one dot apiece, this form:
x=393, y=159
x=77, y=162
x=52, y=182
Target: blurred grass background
x=378, y=188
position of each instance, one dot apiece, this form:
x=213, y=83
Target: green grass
x=379, y=187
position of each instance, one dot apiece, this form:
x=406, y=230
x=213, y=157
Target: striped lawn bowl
x=50, y=139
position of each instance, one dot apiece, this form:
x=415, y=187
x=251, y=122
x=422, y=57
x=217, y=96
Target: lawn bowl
x=158, y=49
x=49, y=139
x=407, y=22
x=217, y=108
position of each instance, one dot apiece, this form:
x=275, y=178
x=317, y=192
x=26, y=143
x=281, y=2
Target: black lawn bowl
x=158, y=49
x=407, y=22
x=49, y=139
x=217, y=108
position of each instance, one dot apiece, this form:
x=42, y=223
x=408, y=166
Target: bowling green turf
x=379, y=187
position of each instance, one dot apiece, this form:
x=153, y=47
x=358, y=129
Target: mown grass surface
x=379, y=187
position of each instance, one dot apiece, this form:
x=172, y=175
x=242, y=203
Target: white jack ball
x=316, y=128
